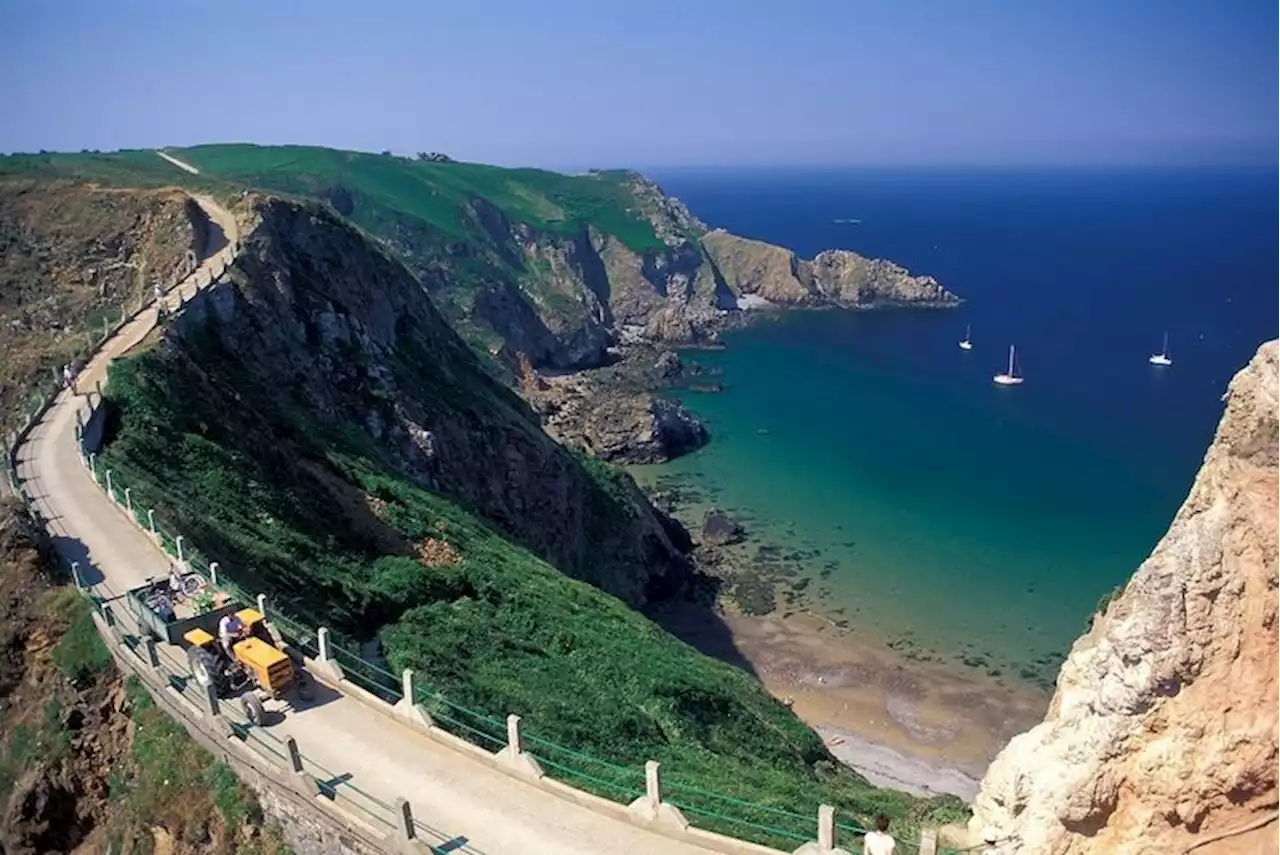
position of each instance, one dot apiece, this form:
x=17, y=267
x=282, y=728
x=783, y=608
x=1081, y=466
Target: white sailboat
x=967, y=344
x=1161, y=358
x=1010, y=377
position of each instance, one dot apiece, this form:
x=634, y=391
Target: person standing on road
x=879, y=842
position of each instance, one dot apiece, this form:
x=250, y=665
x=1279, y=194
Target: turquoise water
x=980, y=520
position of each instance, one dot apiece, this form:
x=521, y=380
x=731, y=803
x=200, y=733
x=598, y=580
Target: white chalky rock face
x=1163, y=730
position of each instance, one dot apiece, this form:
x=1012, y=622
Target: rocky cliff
x=1162, y=734
x=835, y=277
x=326, y=343
x=562, y=269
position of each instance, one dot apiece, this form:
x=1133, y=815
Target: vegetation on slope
x=372, y=186
x=489, y=625
x=87, y=761
x=72, y=258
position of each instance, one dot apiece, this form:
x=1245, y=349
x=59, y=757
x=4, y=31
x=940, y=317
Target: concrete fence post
x=405, y=832
x=110, y=493
x=214, y=709
x=295, y=756
x=513, y=754
x=75, y=575
x=109, y=615
x=128, y=499
x=928, y=841
x=649, y=809
x=326, y=666
x=93, y=465
x=97, y=384
x=80, y=421
x=151, y=654
x=213, y=573
x=262, y=605
x=79, y=435
x=177, y=542
x=151, y=522
x=826, y=843
x=407, y=707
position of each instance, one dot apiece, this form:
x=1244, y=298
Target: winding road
x=484, y=808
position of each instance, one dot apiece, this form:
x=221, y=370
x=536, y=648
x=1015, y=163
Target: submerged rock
x=720, y=529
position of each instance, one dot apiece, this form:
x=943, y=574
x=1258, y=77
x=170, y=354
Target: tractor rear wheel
x=253, y=709
x=204, y=665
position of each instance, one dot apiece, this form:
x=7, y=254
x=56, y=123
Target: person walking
x=879, y=842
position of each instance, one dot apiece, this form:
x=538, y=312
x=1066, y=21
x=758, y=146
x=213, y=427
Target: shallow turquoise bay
x=974, y=519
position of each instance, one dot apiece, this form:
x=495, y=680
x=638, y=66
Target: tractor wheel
x=253, y=708
x=204, y=665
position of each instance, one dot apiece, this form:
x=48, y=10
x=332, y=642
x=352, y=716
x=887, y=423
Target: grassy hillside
x=485, y=622
x=432, y=192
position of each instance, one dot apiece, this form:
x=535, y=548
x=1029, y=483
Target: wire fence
x=754, y=821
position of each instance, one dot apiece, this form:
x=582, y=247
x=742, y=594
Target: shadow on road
x=73, y=551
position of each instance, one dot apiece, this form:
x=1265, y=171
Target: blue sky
x=654, y=82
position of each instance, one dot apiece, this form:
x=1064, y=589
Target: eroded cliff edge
x=1162, y=734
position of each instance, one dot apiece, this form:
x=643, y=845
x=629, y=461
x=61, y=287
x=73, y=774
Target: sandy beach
x=916, y=726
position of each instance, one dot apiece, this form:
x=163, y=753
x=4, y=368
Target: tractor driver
x=230, y=630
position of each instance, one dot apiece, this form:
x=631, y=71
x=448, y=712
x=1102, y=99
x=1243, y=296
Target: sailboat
x=967, y=344
x=1161, y=358
x=1009, y=378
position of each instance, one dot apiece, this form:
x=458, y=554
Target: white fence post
x=649, y=809
x=128, y=499
x=262, y=605
x=322, y=642
x=178, y=542
x=405, y=832
x=513, y=754
x=151, y=522
x=213, y=573
x=110, y=492
x=407, y=707
x=93, y=465
x=75, y=575
x=826, y=843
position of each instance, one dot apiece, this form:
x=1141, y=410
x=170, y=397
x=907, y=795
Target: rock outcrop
x=1162, y=734
x=720, y=529
x=753, y=268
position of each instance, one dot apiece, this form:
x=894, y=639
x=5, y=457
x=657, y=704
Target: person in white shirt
x=230, y=630
x=879, y=842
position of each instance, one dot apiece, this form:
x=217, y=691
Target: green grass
x=435, y=193
x=79, y=653
x=502, y=631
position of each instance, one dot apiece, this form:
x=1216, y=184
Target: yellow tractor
x=257, y=668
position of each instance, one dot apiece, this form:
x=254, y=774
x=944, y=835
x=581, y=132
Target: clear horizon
x=719, y=84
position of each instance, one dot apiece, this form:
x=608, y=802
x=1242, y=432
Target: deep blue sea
x=966, y=516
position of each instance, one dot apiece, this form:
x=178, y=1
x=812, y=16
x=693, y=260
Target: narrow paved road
x=491, y=811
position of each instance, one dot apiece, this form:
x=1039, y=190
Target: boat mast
x=1010, y=360
x=1165, y=350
